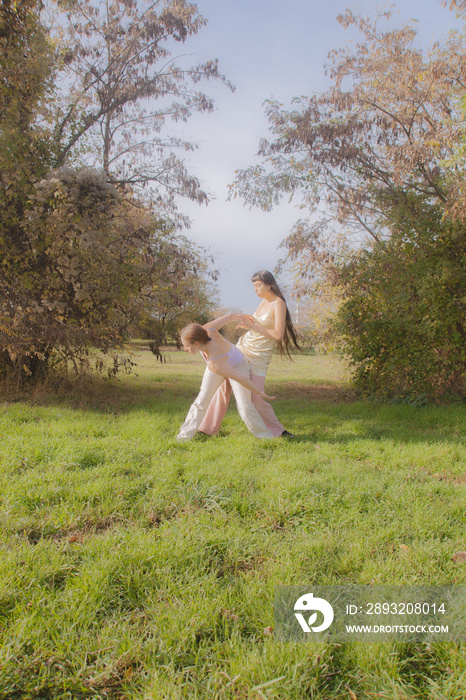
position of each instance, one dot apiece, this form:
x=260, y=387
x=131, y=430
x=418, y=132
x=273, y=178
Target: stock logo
x=307, y=603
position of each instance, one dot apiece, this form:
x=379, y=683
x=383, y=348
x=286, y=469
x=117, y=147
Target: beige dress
x=256, y=348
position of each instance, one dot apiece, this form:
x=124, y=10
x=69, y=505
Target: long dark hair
x=290, y=337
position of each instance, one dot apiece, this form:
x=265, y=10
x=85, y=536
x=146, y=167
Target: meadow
x=137, y=568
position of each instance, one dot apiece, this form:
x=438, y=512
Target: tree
x=24, y=61
x=378, y=152
x=123, y=85
x=184, y=294
x=25, y=79
x=77, y=253
x=387, y=125
x=95, y=261
x=25, y=72
x=88, y=255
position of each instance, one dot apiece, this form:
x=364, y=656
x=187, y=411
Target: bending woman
x=268, y=328
x=223, y=360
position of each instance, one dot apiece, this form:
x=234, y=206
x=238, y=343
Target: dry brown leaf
x=459, y=556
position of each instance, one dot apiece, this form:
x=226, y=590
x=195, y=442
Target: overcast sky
x=268, y=49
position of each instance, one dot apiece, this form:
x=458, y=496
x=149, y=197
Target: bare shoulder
x=218, y=340
x=216, y=336
x=278, y=304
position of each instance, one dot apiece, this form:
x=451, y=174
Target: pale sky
x=268, y=49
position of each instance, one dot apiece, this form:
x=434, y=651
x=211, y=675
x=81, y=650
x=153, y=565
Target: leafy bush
x=85, y=255
x=403, y=318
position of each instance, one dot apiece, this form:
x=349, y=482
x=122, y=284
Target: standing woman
x=268, y=328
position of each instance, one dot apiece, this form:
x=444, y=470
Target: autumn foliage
x=84, y=258
x=381, y=154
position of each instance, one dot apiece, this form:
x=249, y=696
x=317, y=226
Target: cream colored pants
x=246, y=409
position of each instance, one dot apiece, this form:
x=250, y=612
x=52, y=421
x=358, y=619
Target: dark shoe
x=286, y=434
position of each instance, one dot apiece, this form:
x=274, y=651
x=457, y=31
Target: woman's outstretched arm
x=221, y=321
x=220, y=367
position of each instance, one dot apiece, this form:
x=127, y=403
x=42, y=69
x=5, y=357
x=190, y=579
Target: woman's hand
x=267, y=397
x=245, y=321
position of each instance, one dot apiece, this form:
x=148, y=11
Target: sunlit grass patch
x=136, y=567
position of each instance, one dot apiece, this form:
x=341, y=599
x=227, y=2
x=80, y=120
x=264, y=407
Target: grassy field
x=137, y=568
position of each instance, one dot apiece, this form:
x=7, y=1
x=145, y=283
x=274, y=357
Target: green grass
x=137, y=568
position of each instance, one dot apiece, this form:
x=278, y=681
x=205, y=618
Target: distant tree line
x=381, y=154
